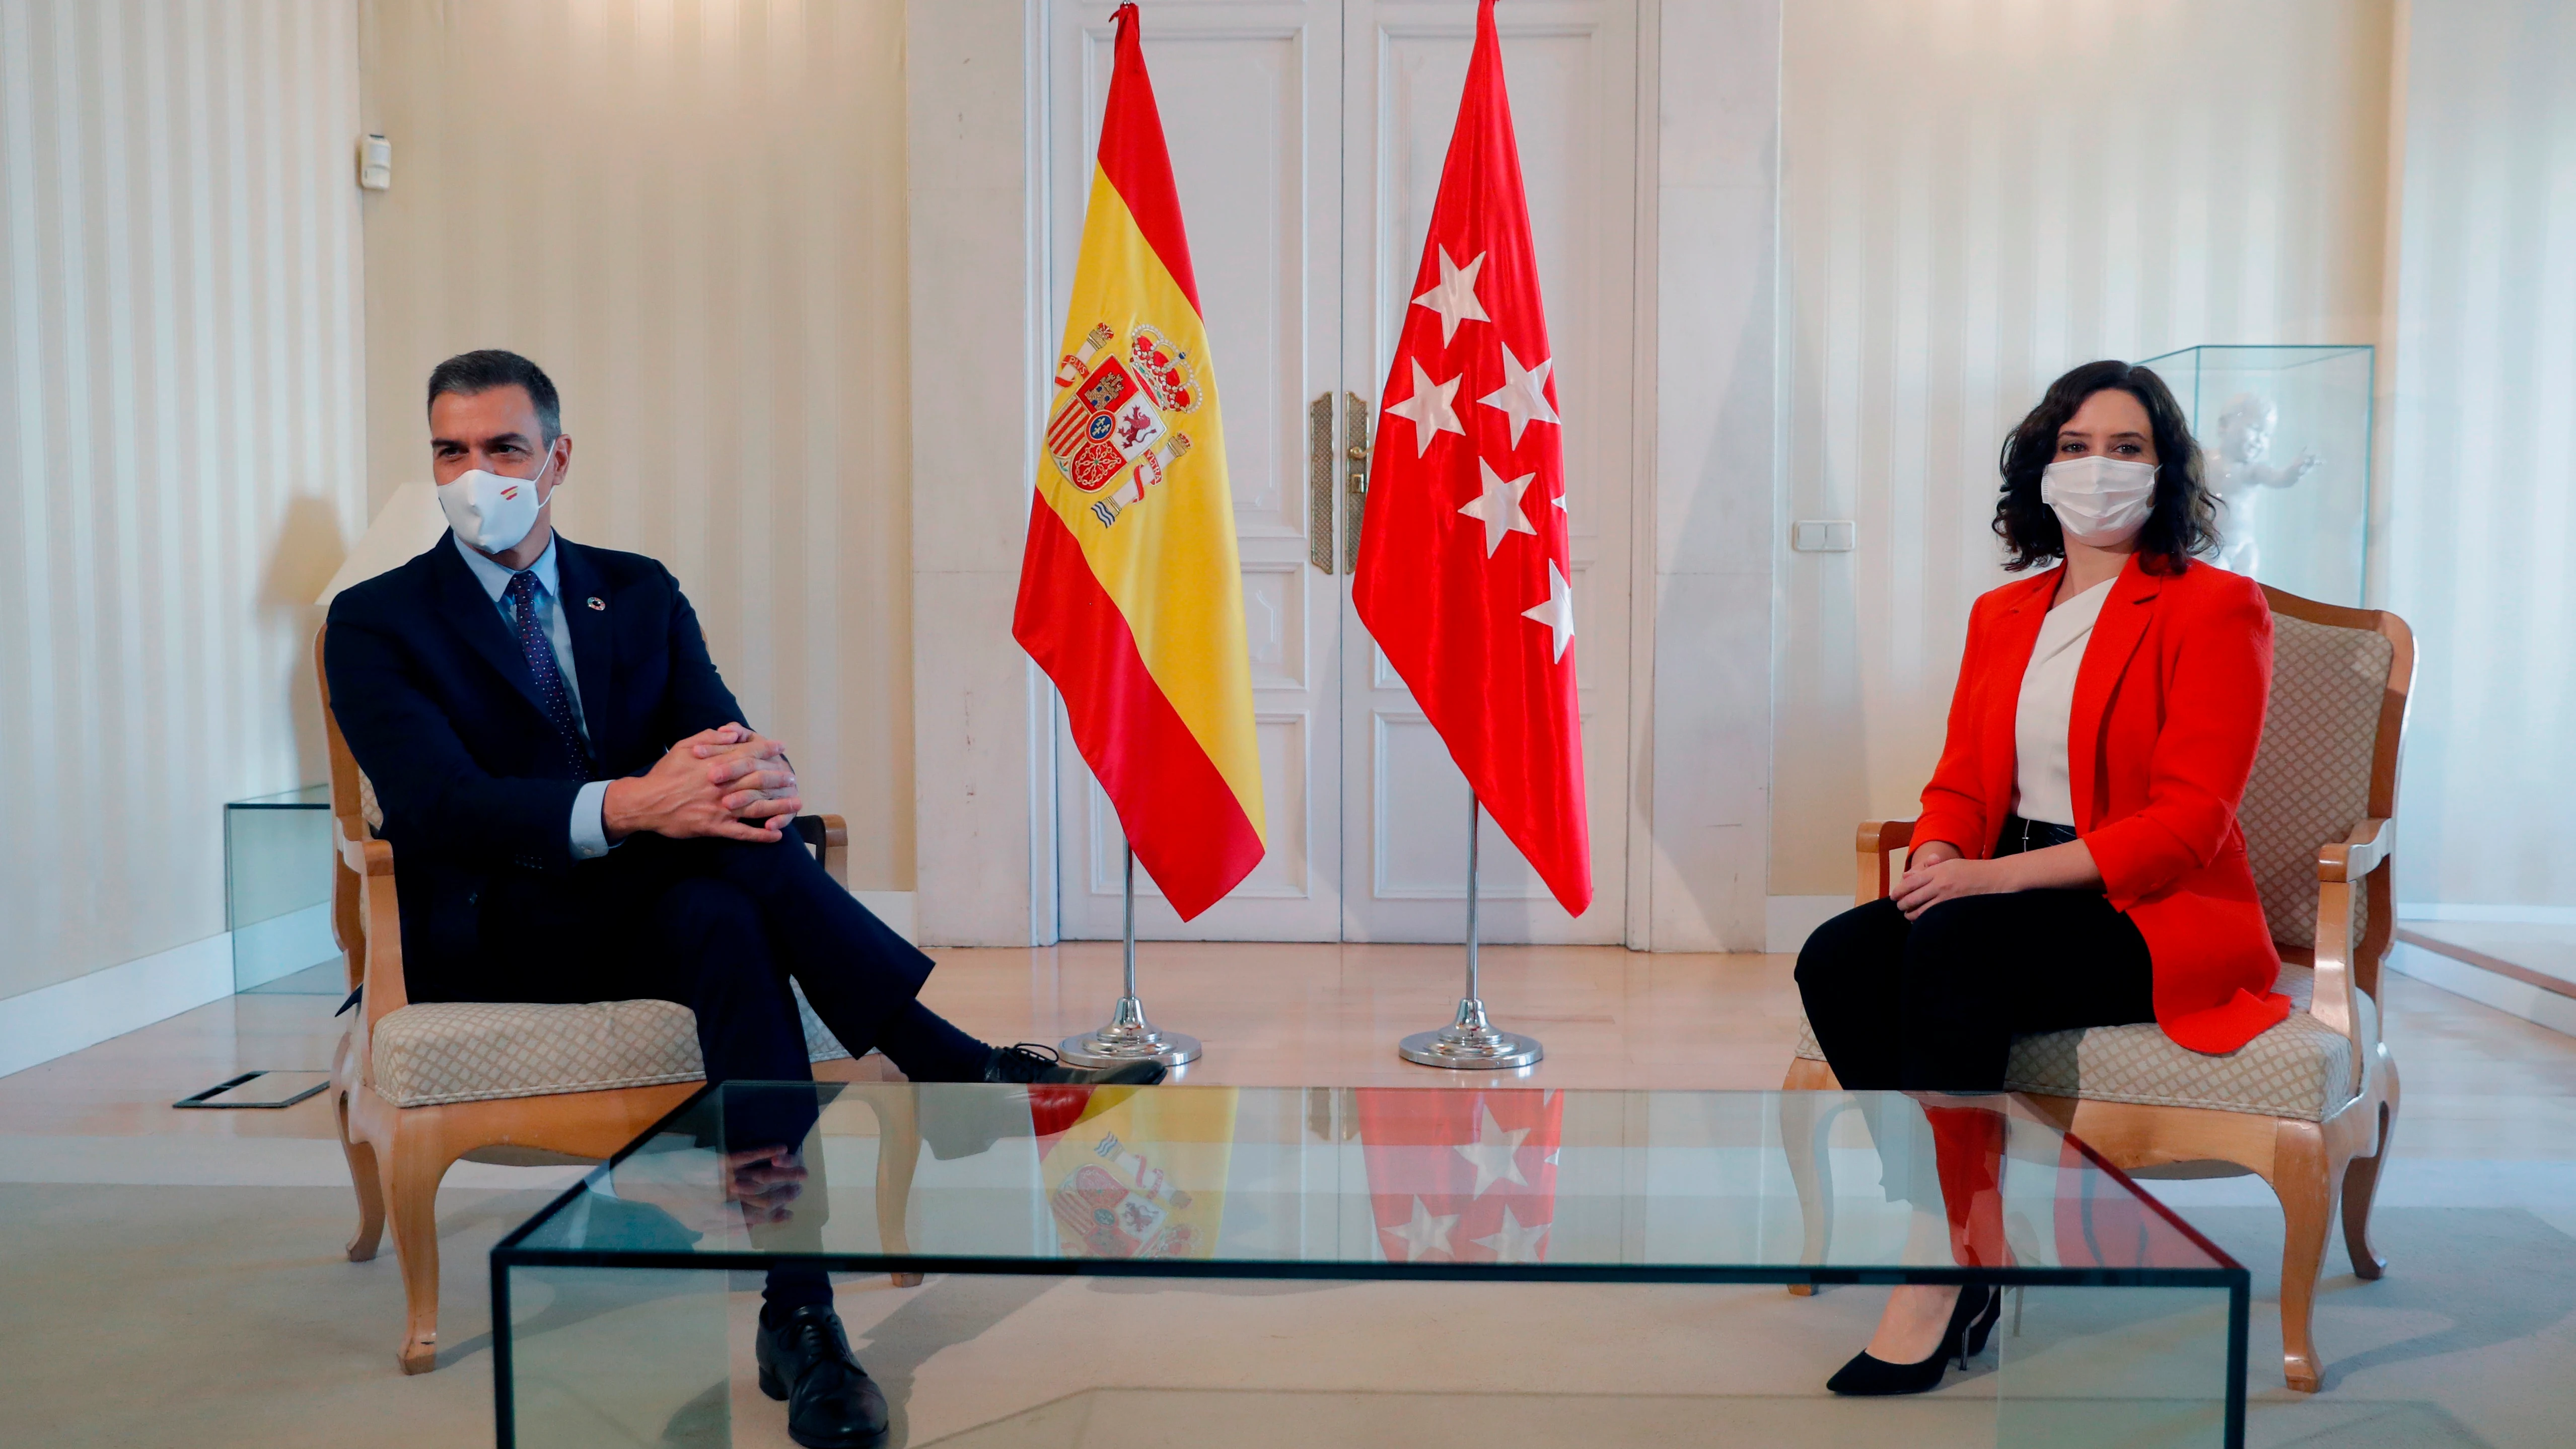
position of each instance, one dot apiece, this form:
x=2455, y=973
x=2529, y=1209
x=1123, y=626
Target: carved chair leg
x=2303, y=1179
x=412, y=1165
x=1805, y=1121
x=2361, y=1183
x=364, y=1177
x=898, y=1153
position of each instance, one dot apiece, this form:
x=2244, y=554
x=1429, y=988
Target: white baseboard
x=2531, y=1003
x=51, y=1021
x=1788, y=920
x=2501, y=915
x=897, y=909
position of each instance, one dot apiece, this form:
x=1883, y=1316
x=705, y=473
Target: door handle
x=1319, y=483
x=1355, y=439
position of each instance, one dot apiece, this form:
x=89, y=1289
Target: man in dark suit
x=581, y=815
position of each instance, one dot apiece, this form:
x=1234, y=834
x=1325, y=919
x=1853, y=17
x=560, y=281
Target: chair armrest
x=2357, y=854
x=828, y=836
x=363, y=854
x=1878, y=839
x=836, y=849
x=380, y=919
x=2345, y=866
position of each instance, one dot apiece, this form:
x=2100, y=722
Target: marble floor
x=172, y=1277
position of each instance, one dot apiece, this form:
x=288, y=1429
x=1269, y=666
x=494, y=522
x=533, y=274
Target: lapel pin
x=596, y=604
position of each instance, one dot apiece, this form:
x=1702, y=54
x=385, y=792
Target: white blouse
x=2040, y=789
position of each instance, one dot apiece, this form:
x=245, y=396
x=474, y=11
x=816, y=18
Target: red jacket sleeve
x=2216, y=694
x=1953, y=808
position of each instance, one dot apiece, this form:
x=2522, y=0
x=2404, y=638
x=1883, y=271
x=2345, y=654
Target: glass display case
x=2285, y=441
x=277, y=893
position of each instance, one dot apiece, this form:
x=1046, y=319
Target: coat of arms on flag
x=1114, y=414
x=1141, y=1175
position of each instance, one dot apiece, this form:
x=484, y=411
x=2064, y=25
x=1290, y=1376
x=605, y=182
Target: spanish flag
x=1131, y=597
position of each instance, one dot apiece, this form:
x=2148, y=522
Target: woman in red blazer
x=2077, y=860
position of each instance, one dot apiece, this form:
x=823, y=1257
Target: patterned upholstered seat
x=483, y=1051
x=2297, y=1069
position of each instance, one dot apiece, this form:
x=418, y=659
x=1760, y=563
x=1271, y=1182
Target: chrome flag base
x=1129, y=1037
x=1470, y=1041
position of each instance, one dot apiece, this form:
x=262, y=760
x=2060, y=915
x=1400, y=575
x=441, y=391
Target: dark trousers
x=1933, y=1004
x=720, y=927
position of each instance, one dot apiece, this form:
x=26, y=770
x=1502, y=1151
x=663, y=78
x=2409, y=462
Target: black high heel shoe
x=1972, y=1318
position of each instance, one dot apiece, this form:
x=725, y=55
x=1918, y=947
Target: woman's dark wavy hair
x=2185, y=518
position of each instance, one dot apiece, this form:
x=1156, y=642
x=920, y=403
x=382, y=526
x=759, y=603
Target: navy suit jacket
x=435, y=699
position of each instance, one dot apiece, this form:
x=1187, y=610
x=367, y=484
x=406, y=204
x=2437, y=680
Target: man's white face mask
x=492, y=511
x=2099, y=501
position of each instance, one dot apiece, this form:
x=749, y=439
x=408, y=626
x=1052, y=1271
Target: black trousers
x=1933, y=1004
x=721, y=927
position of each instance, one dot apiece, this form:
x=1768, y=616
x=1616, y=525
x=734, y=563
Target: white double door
x=1307, y=141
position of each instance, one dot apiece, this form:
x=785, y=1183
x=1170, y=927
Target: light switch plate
x=1824, y=535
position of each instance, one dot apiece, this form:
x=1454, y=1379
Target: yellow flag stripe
x=1169, y=564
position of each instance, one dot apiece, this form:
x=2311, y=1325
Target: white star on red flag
x=1523, y=395
x=1428, y=409
x=1499, y=506
x=1426, y=1232
x=1455, y=298
x=1557, y=611
x=1514, y=1242
x=1450, y=606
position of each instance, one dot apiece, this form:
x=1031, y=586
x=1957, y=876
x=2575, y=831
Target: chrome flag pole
x=1129, y=1037
x=1470, y=1040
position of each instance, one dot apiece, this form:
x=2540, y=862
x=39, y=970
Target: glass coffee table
x=623, y=1311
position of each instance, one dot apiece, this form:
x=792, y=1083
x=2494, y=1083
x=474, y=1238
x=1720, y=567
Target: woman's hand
x=1947, y=877
x=1936, y=873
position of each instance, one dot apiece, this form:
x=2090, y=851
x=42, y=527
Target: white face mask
x=492, y=511
x=2099, y=501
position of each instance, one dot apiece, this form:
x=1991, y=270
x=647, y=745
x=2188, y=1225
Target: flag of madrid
x=1465, y=575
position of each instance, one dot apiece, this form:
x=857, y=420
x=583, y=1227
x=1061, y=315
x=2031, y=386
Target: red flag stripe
x=1133, y=156
x=1172, y=802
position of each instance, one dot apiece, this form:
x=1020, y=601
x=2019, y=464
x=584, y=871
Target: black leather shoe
x=1030, y=1063
x=831, y=1401
x=1971, y=1319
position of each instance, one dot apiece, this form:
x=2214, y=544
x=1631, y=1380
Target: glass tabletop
x=1408, y=1182
x=302, y=797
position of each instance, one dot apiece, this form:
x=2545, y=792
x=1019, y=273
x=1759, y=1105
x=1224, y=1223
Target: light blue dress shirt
x=589, y=826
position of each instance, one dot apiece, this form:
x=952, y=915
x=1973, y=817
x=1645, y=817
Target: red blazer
x=2168, y=711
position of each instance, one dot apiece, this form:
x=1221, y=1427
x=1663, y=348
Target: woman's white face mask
x=492, y=511
x=2101, y=502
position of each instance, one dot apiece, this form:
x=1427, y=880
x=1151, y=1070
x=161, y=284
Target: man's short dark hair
x=468, y=373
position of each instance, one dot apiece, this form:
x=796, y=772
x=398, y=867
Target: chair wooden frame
x=398, y=1155
x=2306, y=1164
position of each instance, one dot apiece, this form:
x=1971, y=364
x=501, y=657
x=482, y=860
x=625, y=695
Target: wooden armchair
x=2308, y=1105
x=417, y=1087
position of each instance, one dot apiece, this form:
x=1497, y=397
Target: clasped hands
x=1937, y=872
x=754, y=1187
x=727, y=783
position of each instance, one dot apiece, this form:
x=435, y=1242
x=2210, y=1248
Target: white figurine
x=2238, y=476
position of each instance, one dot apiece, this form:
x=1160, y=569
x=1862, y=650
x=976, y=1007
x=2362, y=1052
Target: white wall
x=1978, y=195
x=180, y=447
x=2482, y=513
x=693, y=217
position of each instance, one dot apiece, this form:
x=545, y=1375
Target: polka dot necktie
x=540, y=653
